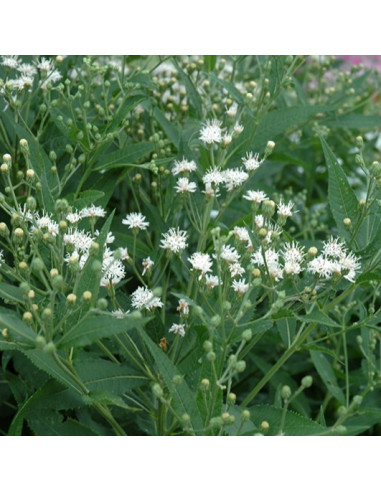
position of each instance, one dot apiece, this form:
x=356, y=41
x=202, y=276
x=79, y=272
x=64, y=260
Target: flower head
x=201, y=262
x=211, y=132
x=183, y=185
x=174, y=240
x=136, y=220
x=143, y=298
x=183, y=166
x=255, y=196
x=177, y=329
x=251, y=161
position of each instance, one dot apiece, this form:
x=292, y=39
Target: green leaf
x=210, y=62
x=317, y=316
x=103, y=375
x=355, y=120
x=10, y=293
x=294, y=424
x=184, y=400
x=96, y=327
x=172, y=132
x=85, y=198
x=342, y=199
x=41, y=165
x=327, y=375
x=126, y=157
x=193, y=95
x=17, y=328
x=47, y=362
x=51, y=424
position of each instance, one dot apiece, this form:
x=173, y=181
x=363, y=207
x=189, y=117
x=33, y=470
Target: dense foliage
x=189, y=246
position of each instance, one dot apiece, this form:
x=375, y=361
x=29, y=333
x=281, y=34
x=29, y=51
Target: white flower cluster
x=24, y=73
x=335, y=259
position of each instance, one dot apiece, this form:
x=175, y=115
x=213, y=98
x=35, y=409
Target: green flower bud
x=357, y=400
x=240, y=366
x=268, y=208
x=31, y=203
x=58, y=282
x=50, y=348
x=232, y=397
x=286, y=392
x=216, y=320
x=37, y=265
x=211, y=356
x=157, y=390
x=247, y=334
x=245, y=415
x=40, y=342
x=307, y=381
x=204, y=384
x=177, y=379
x=216, y=422
x=207, y=346
x=102, y=304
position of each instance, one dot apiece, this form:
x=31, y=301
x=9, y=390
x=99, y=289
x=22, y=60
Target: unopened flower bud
x=49, y=348
x=286, y=392
x=211, y=356
x=24, y=143
x=37, y=265
x=87, y=295
x=357, y=400
x=247, y=334
x=268, y=208
x=27, y=317
x=40, y=342
x=207, y=346
x=157, y=390
x=205, y=384
x=347, y=222
x=265, y=426
x=71, y=298
x=240, y=366
x=245, y=415
x=307, y=381
x=232, y=397
x=102, y=304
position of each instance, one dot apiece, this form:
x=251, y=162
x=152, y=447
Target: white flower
x=270, y=254
x=183, y=307
x=238, y=129
x=211, y=281
x=321, y=266
x=174, y=240
x=232, y=111
x=348, y=261
x=27, y=69
x=124, y=254
x=293, y=252
x=1, y=256
x=292, y=267
x=251, y=161
x=234, y=178
x=136, y=221
x=285, y=210
x=183, y=166
x=81, y=240
x=259, y=221
x=46, y=223
x=143, y=298
x=183, y=185
x=275, y=271
x=93, y=212
x=74, y=217
x=241, y=234
x=213, y=175
x=112, y=269
x=147, y=265
x=255, y=196
x=240, y=286
x=273, y=231
x=333, y=248
x=10, y=61
x=119, y=314
x=45, y=65
x=110, y=238
x=211, y=132
x=229, y=254
x=236, y=270
x=201, y=262
x=178, y=329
